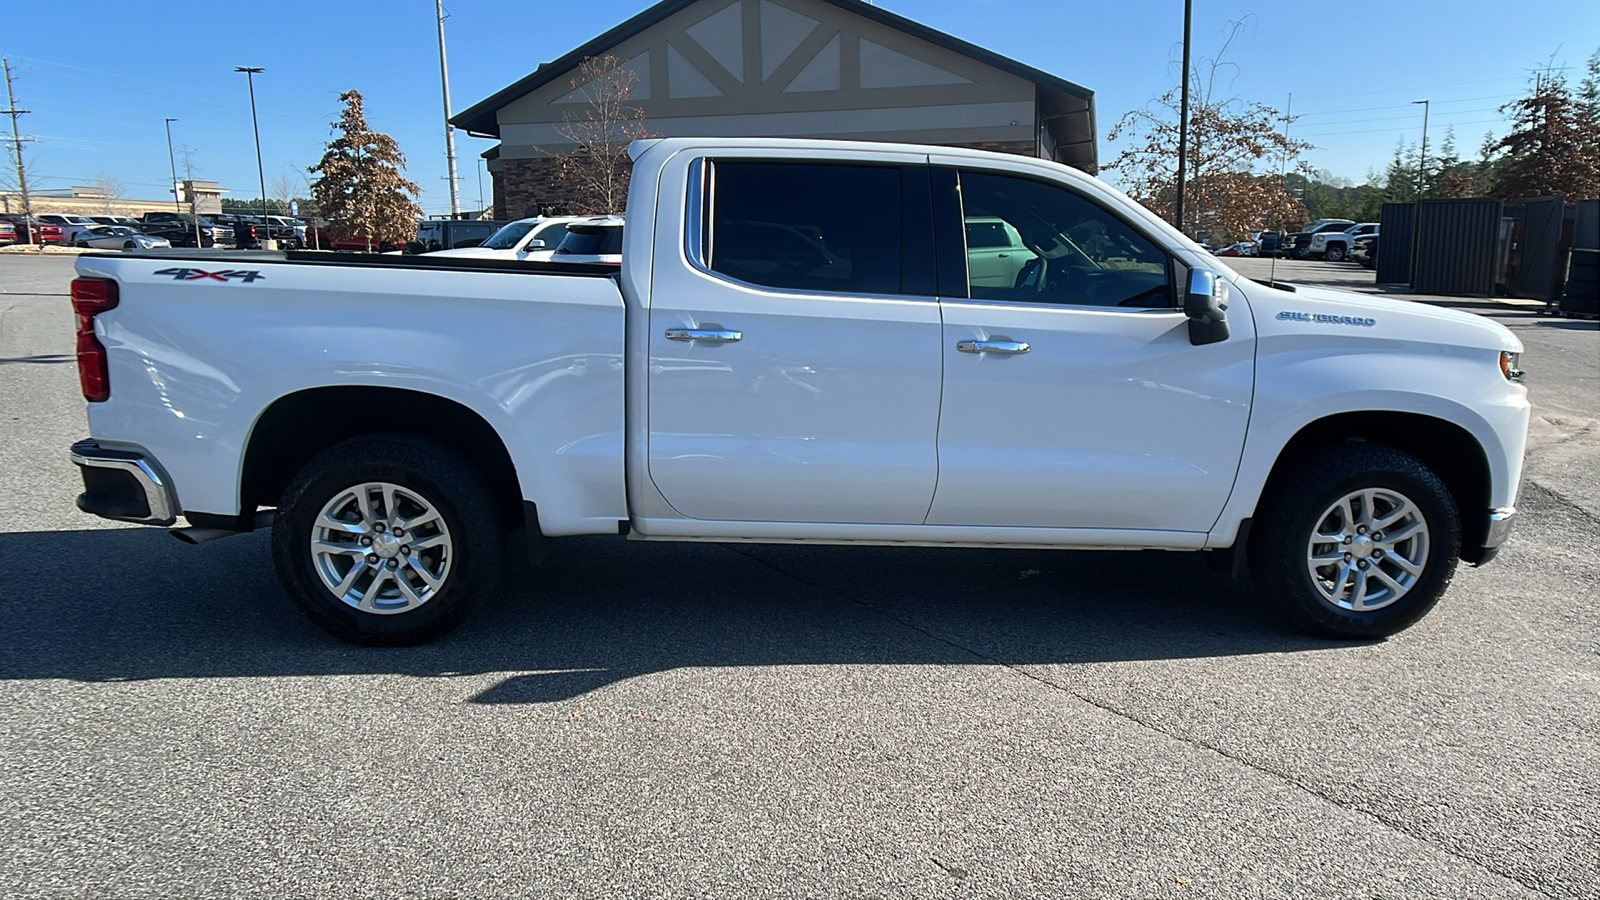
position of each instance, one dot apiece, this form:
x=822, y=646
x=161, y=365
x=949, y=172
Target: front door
x=794, y=362
x=1073, y=398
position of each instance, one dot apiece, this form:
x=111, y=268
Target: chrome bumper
x=1500, y=521
x=124, y=484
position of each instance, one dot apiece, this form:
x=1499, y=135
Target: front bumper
x=1500, y=521
x=124, y=483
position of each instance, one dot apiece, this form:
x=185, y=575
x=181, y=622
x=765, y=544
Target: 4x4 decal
x=223, y=275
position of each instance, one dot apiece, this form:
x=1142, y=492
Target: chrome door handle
x=714, y=335
x=992, y=346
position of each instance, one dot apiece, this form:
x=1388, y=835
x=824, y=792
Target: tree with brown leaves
x=361, y=191
x=1232, y=143
x=1553, y=147
x=594, y=173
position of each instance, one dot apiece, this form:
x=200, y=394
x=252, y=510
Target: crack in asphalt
x=1126, y=715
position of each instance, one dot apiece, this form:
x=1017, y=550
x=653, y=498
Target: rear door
x=794, y=368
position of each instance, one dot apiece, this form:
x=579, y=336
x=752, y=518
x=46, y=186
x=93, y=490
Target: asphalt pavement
x=695, y=720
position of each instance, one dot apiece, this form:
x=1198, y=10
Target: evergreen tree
x=361, y=192
x=1553, y=147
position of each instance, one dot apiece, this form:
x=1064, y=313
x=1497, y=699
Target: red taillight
x=91, y=296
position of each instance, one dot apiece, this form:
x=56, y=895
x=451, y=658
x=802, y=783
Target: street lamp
x=173, y=162
x=250, y=73
x=1422, y=168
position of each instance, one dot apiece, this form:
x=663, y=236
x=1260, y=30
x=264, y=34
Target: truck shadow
x=132, y=604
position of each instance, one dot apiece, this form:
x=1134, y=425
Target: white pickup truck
x=793, y=351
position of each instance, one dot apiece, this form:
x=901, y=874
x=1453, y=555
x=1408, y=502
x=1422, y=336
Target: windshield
x=509, y=236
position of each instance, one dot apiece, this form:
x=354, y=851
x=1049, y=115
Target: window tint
x=811, y=227
x=983, y=235
x=1076, y=252
x=469, y=234
x=591, y=241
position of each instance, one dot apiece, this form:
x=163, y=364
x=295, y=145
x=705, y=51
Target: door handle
x=1002, y=255
x=713, y=335
x=992, y=346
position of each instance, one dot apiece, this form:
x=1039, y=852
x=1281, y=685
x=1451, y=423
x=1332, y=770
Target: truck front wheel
x=1359, y=542
x=1334, y=253
x=386, y=540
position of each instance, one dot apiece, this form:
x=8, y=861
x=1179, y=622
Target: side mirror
x=1206, y=305
x=531, y=246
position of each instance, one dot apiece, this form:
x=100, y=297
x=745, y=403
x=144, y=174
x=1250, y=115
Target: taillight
x=91, y=296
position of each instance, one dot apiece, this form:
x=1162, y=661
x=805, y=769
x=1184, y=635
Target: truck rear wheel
x=1359, y=543
x=386, y=540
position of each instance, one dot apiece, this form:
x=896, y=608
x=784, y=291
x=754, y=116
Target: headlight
x=1508, y=366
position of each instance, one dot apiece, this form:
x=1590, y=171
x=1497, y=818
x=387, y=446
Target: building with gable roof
x=841, y=69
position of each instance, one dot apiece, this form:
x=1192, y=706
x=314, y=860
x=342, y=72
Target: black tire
x=1281, y=539
x=81, y=245
x=424, y=469
x=1334, y=253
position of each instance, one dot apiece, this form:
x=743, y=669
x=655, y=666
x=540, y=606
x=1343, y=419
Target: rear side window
x=591, y=241
x=812, y=227
x=469, y=234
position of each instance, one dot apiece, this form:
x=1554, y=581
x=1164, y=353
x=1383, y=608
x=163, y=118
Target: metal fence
x=1457, y=244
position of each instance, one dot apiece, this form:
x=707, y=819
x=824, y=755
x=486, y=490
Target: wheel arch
x=1450, y=450
x=297, y=426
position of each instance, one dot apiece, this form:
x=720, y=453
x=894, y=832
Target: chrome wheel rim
x=381, y=548
x=1368, y=549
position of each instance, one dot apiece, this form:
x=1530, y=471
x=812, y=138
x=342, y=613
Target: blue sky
x=100, y=76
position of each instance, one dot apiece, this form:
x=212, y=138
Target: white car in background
x=564, y=239
x=118, y=237
x=524, y=239
x=71, y=226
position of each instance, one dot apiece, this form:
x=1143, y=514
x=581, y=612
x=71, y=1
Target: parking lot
x=669, y=720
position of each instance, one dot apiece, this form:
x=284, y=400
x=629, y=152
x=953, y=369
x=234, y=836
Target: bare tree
x=361, y=191
x=594, y=174
x=1233, y=145
x=110, y=190
x=281, y=189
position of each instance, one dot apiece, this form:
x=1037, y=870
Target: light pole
x=250, y=73
x=173, y=163
x=1183, y=111
x=1422, y=167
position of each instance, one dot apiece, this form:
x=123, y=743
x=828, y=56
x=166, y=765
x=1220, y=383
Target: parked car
x=34, y=231
x=1240, y=248
x=118, y=237
x=292, y=231
x=534, y=238
x=785, y=356
x=1365, y=251
x=452, y=234
x=597, y=239
x=8, y=233
x=70, y=224
x=322, y=239
x=125, y=221
x=1269, y=243
x=1295, y=245
x=1335, y=246
x=179, y=228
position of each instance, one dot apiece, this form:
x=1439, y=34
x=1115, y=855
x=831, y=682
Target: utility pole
x=171, y=161
x=16, y=144
x=1422, y=164
x=449, y=130
x=1183, y=110
x=250, y=73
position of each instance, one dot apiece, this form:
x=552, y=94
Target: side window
x=803, y=226
x=1061, y=247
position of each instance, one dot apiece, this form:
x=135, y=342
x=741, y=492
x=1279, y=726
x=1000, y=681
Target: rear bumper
x=124, y=483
